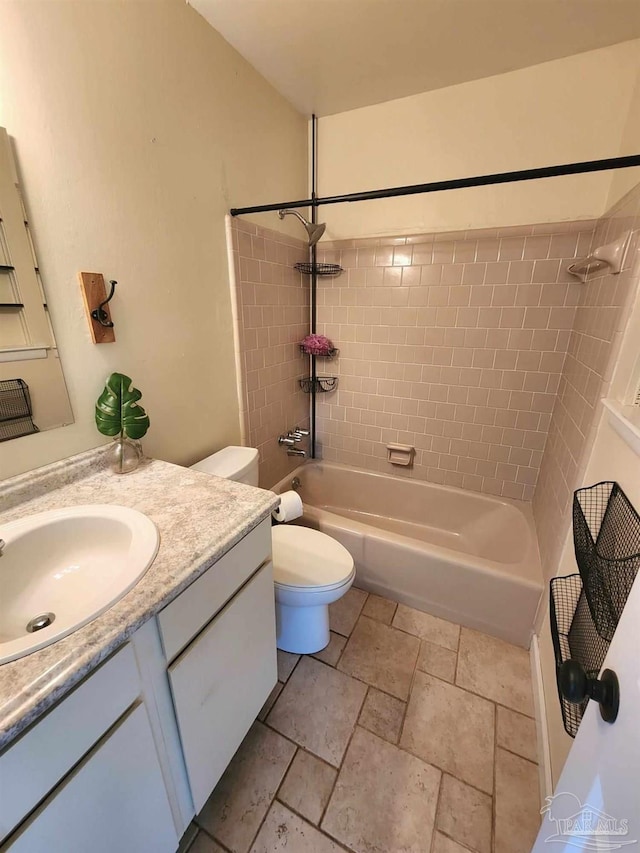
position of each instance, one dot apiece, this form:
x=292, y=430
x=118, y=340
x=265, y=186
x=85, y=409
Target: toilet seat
x=307, y=559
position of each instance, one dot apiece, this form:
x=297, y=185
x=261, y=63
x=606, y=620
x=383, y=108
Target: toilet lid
x=306, y=557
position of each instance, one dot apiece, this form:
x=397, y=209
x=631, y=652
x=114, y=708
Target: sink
x=61, y=569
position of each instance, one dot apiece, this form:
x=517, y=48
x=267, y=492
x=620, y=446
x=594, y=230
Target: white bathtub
x=464, y=556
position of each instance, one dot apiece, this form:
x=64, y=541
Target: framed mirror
x=33, y=394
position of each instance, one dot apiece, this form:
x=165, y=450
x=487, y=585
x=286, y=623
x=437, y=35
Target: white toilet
x=310, y=569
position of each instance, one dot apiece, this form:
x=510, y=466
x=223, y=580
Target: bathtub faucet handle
x=303, y=433
x=287, y=440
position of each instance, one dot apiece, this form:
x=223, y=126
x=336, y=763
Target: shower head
x=314, y=231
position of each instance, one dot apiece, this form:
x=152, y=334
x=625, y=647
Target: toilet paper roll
x=290, y=507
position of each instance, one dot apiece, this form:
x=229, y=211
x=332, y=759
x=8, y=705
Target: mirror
x=33, y=394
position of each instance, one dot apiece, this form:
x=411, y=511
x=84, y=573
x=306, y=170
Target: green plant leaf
x=117, y=409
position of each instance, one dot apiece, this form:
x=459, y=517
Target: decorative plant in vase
x=118, y=414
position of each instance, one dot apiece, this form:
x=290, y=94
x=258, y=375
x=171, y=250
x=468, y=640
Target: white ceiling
x=327, y=56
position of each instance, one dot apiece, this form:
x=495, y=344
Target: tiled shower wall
x=272, y=301
x=591, y=357
x=451, y=343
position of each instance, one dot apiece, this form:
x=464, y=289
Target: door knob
x=576, y=686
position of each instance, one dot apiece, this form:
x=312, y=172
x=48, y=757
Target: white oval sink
x=63, y=568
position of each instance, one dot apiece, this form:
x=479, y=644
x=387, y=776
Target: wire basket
x=334, y=352
x=15, y=409
x=606, y=536
x=319, y=269
x=574, y=637
x=320, y=384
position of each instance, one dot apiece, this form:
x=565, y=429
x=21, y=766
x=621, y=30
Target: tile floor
x=407, y=734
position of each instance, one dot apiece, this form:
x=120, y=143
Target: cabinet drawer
x=115, y=800
x=32, y=765
x=181, y=620
x=222, y=680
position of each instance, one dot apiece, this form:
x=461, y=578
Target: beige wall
x=272, y=300
x=136, y=126
x=625, y=179
x=559, y=112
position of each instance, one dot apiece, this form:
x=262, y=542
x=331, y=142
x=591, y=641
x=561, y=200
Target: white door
x=596, y=804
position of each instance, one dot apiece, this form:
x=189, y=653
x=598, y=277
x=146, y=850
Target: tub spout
x=292, y=451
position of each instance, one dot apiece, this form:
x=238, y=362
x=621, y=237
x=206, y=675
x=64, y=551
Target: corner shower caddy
x=318, y=269
x=585, y=608
x=318, y=384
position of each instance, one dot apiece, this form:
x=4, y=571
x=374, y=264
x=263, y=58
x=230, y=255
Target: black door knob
x=576, y=686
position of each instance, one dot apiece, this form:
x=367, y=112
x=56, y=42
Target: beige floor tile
x=464, y=813
x=380, y=609
x=427, y=627
x=438, y=661
x=307, y=786
x=384, y=799
x=383, y=715
x=452, y=729
x=283, y=830
x=331, y=654
x=268, y=705
x=381, y=656
x=495, y=669
x=318, y=709
x=517, y=803
x=286, y=664
x=442, y=844
x=517, y=733
x=204, y=844
x=343, y=614
x=235, y=810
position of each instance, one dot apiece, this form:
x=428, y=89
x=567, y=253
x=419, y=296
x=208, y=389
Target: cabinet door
x=221, y=681
x=115, y=800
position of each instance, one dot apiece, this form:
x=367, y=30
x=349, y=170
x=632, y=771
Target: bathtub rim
x=527, y=570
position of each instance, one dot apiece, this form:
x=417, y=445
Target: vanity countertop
x=199, y=516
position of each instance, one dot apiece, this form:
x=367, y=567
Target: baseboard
x=542, y=731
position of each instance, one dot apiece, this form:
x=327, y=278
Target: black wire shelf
x=606, y=535
x=334, y=352
x=319, y=269
x=574, y=638
x=321, y=384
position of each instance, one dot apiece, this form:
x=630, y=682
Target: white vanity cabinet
x=124, y=760
x=88, y=774
x=222, y=677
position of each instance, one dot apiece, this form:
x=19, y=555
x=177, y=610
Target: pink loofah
x=317, y=345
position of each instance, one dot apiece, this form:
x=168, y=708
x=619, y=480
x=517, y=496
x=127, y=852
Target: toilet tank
x=232, y=463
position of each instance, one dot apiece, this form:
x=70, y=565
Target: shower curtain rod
x=456, y=184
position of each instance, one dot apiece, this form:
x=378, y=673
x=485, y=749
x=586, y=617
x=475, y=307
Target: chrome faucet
x=291, y=451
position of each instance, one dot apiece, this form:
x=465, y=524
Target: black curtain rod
x=457, y=184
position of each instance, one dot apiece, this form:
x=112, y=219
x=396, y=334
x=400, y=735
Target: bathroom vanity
x=113, y=737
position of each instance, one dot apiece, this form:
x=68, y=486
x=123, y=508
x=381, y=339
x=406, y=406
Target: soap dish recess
x=401, y=454
x=611, y=255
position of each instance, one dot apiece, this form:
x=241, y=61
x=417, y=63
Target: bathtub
x=464, y=556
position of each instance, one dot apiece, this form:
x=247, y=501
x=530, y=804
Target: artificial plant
x=117, y=409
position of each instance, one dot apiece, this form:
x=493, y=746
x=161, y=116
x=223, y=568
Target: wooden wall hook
x=93, y=293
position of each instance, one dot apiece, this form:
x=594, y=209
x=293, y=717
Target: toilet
x=310, y=569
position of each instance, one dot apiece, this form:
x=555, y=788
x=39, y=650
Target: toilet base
x=302, y=630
